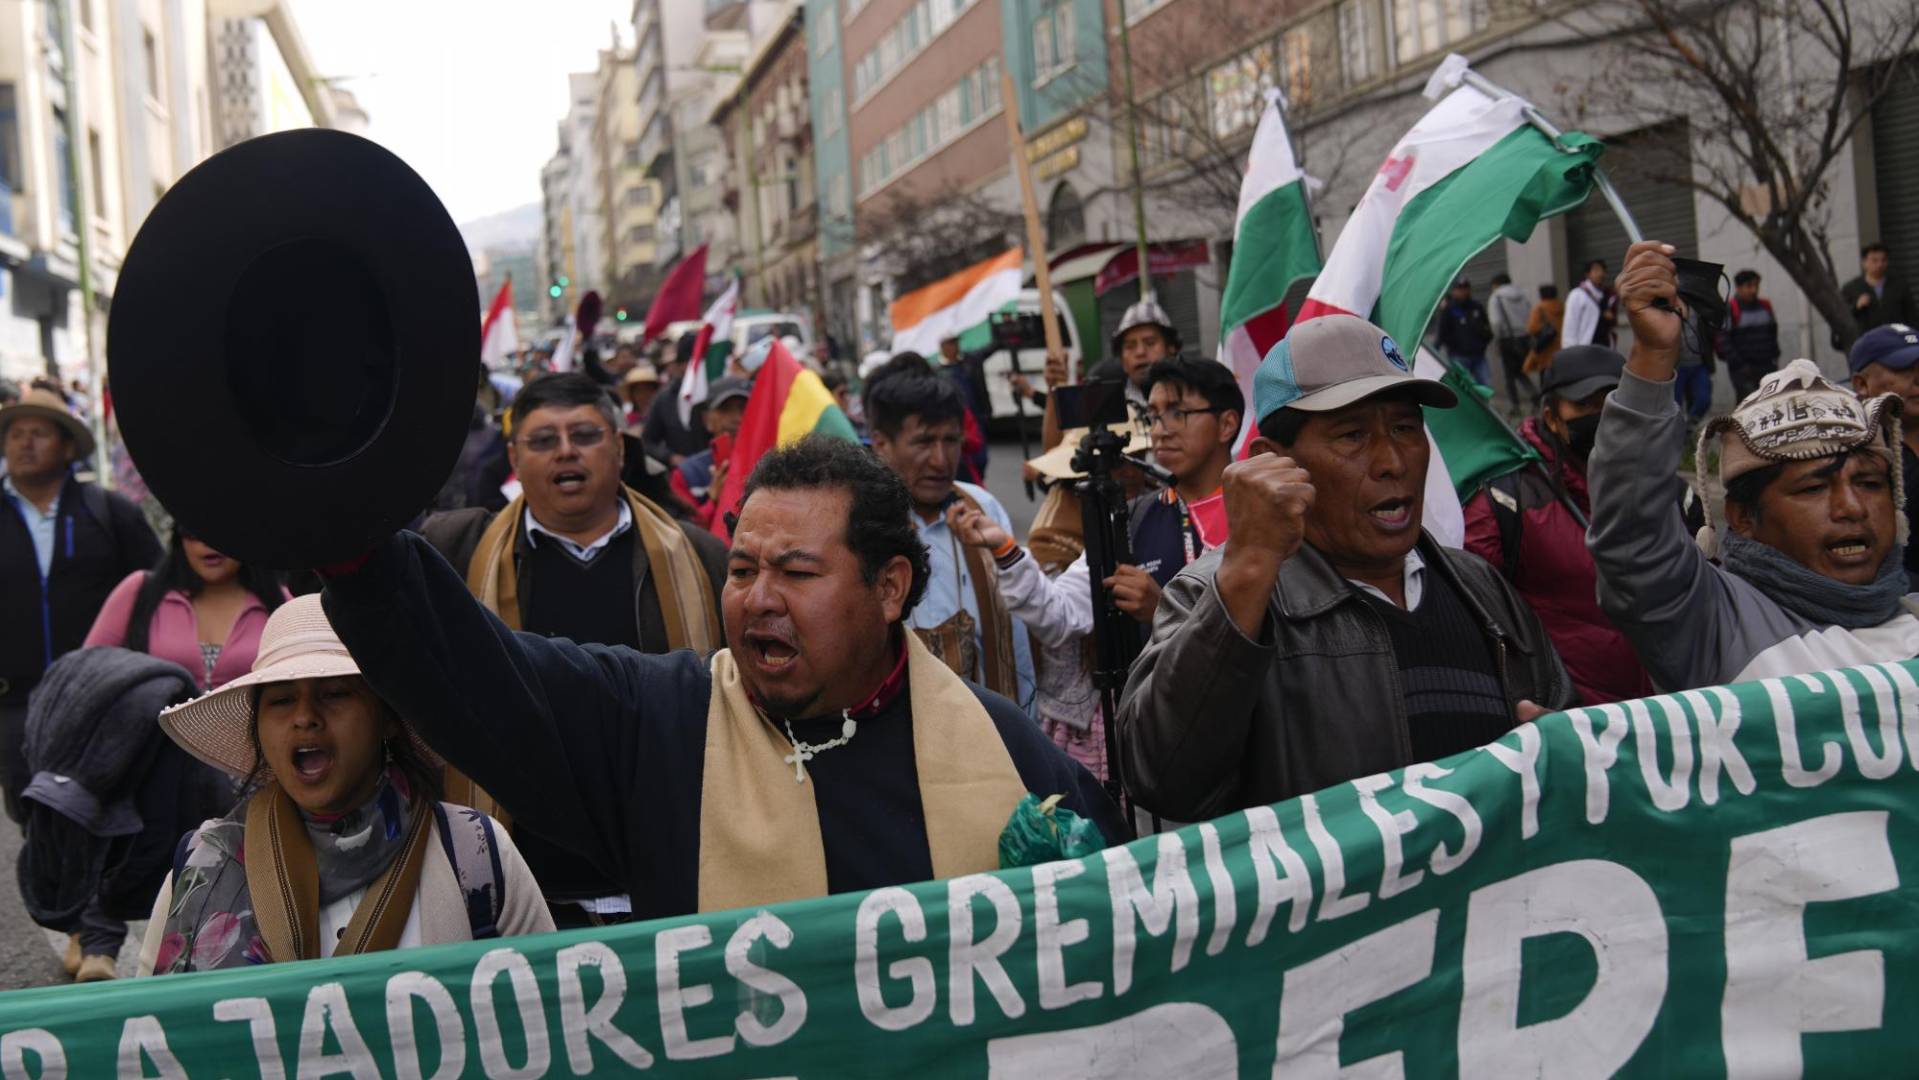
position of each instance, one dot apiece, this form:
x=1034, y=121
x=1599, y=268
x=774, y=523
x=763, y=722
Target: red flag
x=499, y=338
x=679, y=295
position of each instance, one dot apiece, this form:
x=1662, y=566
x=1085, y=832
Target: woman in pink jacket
x=203, y=611
x=198, y=608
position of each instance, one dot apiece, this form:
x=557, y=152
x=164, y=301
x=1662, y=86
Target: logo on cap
x=1393, y=355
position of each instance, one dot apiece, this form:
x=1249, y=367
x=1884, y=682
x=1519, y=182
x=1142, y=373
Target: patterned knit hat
x=1797, y=414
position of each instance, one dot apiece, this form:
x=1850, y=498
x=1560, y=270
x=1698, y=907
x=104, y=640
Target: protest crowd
x=686, y=629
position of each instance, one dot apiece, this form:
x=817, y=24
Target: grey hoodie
x=1692, y=623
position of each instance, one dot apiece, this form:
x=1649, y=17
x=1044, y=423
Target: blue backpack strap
x=482, y=881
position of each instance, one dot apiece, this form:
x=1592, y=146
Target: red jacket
x=1554, y=574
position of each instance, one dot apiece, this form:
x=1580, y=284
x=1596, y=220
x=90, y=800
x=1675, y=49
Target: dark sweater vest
x=582, y=601
x=1453, y=698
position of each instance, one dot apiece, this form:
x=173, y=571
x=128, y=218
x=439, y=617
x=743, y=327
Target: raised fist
x=1267, y=497
x=1648, y=280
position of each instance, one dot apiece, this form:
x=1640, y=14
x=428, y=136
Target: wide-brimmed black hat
x=291, y=348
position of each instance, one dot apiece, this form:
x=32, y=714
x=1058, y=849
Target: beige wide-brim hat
x=298, y=643
x=1057, y=463
x=47, y=405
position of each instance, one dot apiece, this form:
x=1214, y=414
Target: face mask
x=1580, y=433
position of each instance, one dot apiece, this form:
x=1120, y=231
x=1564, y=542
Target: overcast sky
x=467, y=91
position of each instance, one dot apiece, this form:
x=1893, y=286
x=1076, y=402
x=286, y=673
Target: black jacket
x=111, y=794
x=663, y=435
x=1214, y=721
x=1894, y=304
x=456, y=535
x=99, y=538
x=605, y=747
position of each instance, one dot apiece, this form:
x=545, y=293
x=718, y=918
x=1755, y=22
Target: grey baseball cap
x=727, y=389
x=1329, y=362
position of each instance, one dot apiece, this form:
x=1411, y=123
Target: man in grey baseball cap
x=1330, y=637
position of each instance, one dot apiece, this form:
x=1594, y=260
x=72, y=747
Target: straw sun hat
x=298, y=643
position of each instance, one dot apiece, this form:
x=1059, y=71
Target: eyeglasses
x=547, y=440
x=1173, y=419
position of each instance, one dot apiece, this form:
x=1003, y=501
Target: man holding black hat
x=64, y=545
x=582, y=557
x=1531, y=526
x=1885, y=360
x=1330, y=637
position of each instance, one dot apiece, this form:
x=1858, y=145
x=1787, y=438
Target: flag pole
x=1132, y=147
x=1278, y=99
x=1547, y=128
x=1035, y=246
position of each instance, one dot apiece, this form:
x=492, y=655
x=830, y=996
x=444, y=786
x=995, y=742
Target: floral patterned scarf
x=210, y=922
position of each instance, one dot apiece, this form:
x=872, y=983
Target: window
x=97, y=170
x=1426, y=26
x=152, y=52
x=1359, y=40
x=1053, y=46
x=832, y=113
x=902, y=41
x=974, y=97
x=10, y=139
x=1065, y=219
x=826, y=30
x=1296, y=66
x=1234, y=91
x=69, y=194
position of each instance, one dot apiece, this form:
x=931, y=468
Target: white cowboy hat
x=298, y=643
x=1057, y=463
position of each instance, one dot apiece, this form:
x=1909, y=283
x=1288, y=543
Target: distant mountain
x=508, y=231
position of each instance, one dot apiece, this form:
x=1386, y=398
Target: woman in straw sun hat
x=342, y=848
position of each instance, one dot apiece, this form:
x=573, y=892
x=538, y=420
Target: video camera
x=1018, y=330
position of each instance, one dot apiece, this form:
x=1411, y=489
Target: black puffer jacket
x=111, y=794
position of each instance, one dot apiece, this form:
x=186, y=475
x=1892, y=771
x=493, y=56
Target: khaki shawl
x=680, y=580
x=760, y=830
x=283, y=881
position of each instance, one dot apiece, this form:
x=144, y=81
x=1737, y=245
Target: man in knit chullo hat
x=1810, y=573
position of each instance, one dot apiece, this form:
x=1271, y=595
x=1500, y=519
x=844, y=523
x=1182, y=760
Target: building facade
x=160, y=85
x=767, y=126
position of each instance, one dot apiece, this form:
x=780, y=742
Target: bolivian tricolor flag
x=788, y=402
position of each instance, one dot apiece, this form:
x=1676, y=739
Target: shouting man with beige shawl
x=824, y=750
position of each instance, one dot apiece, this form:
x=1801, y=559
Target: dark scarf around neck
x=1814, y=596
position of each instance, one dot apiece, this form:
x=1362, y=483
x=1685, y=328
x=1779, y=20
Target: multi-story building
x=584, y=189
x=832, y=173
x=631, y=200
x=768, y=135
x=555, y=247
x=160, y=85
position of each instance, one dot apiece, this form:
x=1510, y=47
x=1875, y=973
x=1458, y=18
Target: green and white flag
x=1720, y=882
x=1473, y=170
x=1275, y=244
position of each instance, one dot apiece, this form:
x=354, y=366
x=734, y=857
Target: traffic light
x=564, y=282
x=554, y=292
x=620, y=314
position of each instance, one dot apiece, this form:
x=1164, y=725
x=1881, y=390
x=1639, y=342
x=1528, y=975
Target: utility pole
x=83, y=229
x=1132, y=146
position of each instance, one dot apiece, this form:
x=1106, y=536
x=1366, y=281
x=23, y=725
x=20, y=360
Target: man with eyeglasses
x=580, y=556
x=1193, y=409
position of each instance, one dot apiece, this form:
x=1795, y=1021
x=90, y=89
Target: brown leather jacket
x=1213, y=721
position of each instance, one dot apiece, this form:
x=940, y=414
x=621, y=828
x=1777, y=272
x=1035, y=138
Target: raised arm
x=1654, y=582
x=551, y=729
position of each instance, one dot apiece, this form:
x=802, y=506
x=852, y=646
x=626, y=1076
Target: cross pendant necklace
x=804, y=752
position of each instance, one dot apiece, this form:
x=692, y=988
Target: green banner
x=1718, y=882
